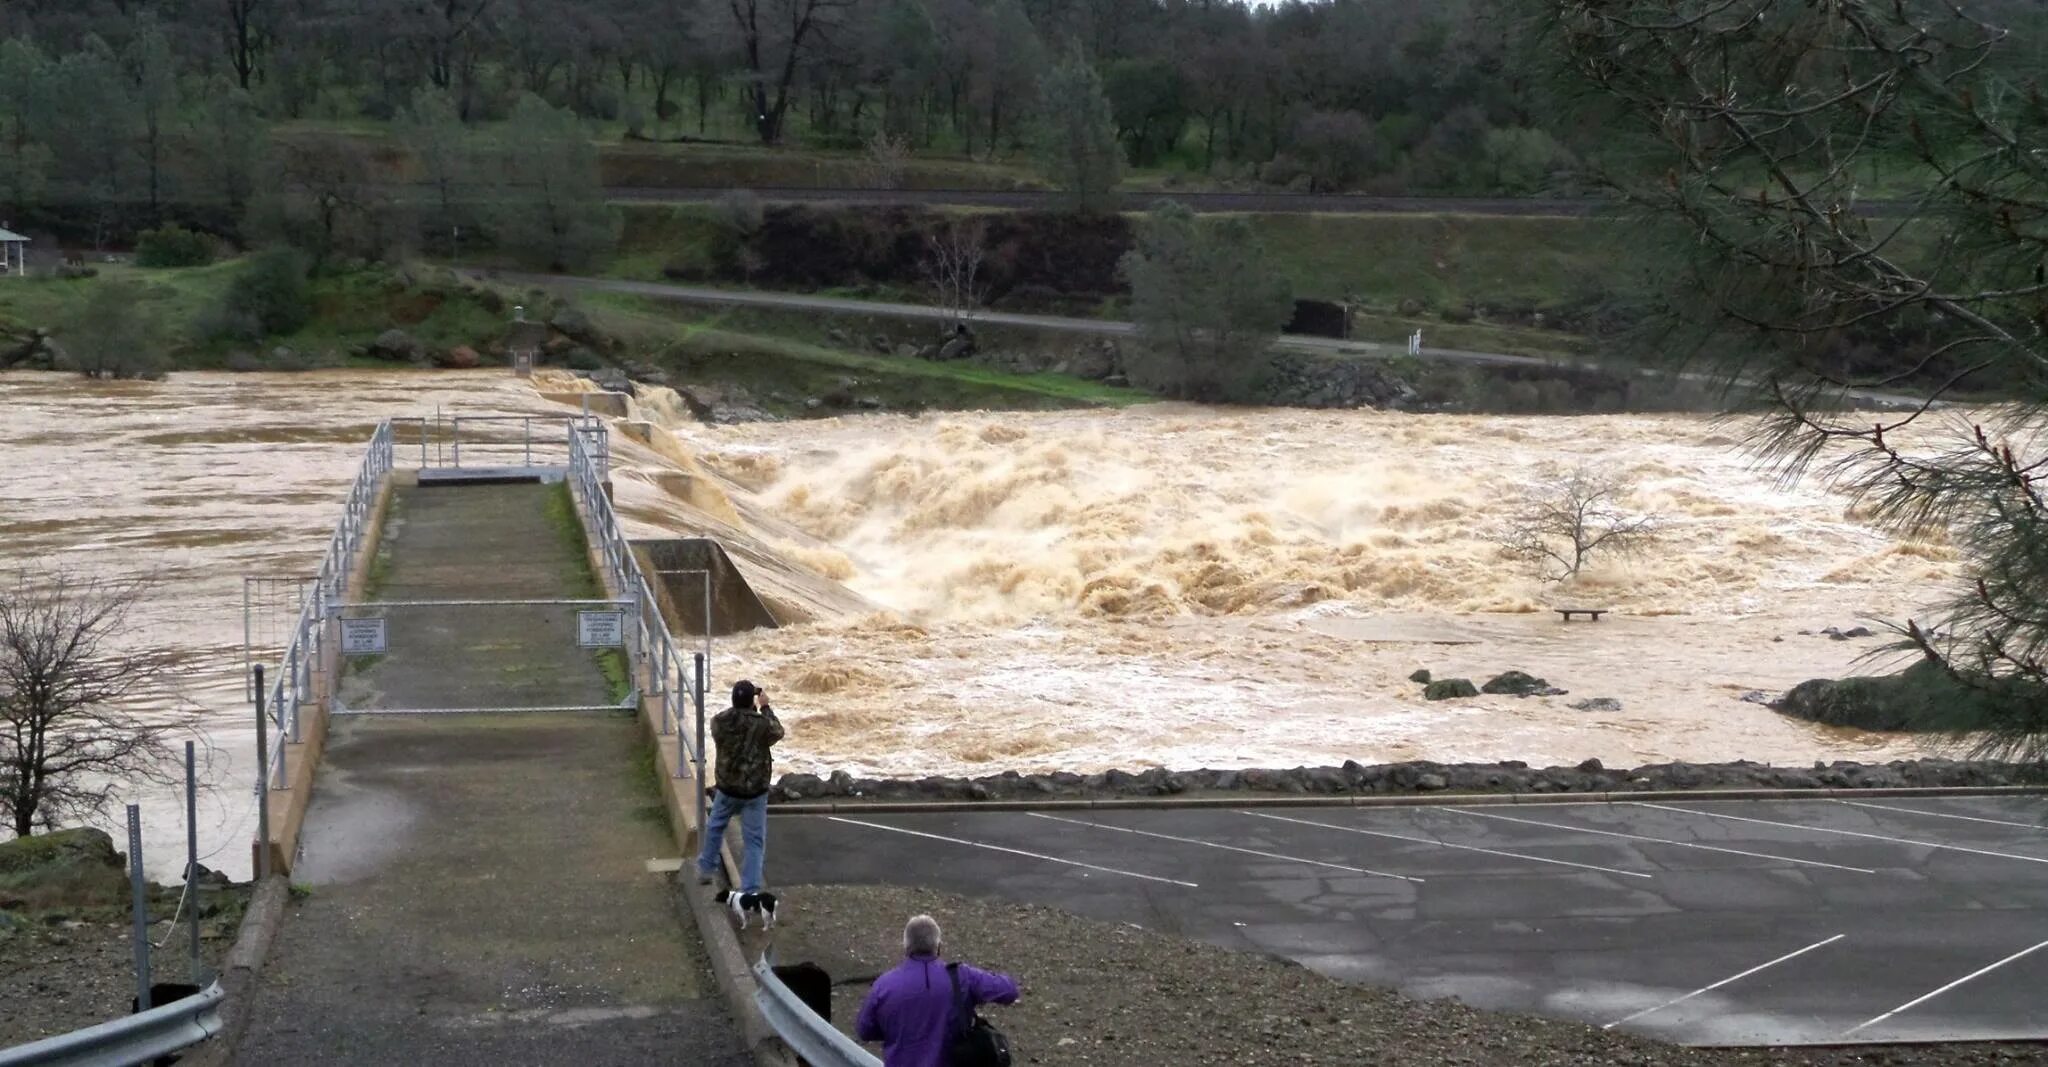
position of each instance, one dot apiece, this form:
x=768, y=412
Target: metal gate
x=270, y=616
x=455, y=656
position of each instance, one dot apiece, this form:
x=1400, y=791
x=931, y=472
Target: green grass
x=1443, y=260
x=782, y=351
x=579, y=582
x=350, y=308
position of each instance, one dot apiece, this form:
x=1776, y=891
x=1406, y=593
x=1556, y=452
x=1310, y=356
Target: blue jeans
x=753, y=815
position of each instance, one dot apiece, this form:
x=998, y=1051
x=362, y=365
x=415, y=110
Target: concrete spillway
x=678, y=569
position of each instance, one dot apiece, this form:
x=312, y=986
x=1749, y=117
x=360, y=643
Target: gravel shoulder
x=65, y=969
x=1101, y=993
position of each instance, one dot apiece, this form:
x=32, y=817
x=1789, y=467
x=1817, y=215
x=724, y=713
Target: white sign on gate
x=362, y=637
x=601, y=629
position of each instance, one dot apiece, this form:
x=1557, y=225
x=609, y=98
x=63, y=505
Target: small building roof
x=8, y=236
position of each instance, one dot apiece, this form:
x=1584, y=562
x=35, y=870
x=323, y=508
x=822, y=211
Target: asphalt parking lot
x=1743, y=922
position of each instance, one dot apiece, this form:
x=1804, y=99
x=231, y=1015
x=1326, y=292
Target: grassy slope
x=349, y=309
x=771, y=354
x=1377, y=262
x=765, y=355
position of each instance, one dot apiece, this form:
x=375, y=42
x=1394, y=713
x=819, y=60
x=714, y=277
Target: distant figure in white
x=1415, y=343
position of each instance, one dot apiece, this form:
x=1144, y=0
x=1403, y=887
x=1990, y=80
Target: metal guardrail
x=305, y=655
x=817, y=1041
x=679, y=680
x=124, y=1042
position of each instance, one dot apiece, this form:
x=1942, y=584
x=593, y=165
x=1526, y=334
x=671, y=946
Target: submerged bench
x=1591, y=613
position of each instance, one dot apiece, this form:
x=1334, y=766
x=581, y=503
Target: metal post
x=455, y=440
x=262, y=783
x=698, y=686
x=192, y=856
x=140, y=893
x=668, y=695
x=706, y=665
x=526, y=431
x=423, y=444
x=245, y=627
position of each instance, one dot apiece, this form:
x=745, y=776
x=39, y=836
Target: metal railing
x=134, y=1039
x=488, y=441
x=679, y=681
x=811, y=1037
x=305, y=657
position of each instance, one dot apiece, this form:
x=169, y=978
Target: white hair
x=921, y=936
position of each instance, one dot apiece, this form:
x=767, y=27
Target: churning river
x=1164, y=585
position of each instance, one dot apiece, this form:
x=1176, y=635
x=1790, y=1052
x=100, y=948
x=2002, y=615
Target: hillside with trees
x=115, y=116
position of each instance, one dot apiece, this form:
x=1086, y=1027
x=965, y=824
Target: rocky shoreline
x=1415, y=777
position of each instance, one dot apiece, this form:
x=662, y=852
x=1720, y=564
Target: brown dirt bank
x=1414, y=777
x=1102, y=993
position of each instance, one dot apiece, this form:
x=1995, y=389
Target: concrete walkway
x=475, y=886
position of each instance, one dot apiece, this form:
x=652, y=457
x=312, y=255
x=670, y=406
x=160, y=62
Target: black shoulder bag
x=972, y=1041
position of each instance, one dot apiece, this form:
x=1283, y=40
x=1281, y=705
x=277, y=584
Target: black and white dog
x=748, y=905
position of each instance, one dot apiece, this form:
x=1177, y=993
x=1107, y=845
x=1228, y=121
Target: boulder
x=461, y=357
x=1596, y=704
x=62, y=868
x=1420, y=677
x=1922, y=697
x=1450, y=689
x=957, y=348
x=574, y=324
x=1516, y=683
x=395, y=345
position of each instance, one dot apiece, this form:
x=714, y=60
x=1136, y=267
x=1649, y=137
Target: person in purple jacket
x=910, y=1009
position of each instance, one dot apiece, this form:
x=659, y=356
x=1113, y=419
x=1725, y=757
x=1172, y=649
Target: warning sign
x=601, y=629
x=362, y=637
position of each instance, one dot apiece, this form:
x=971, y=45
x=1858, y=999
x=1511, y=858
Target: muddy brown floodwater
x=1163, y=585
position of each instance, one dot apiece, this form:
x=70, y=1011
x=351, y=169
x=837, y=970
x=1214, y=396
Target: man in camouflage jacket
x=745, y=733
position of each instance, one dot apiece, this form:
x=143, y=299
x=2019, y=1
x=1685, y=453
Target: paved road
x=1705, y=923
x=1259, y=203
x=479, y=891
x=695, y=294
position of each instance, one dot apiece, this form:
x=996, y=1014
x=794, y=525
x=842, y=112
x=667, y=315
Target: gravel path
x=1098, y=993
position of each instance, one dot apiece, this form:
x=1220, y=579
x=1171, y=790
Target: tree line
x=1382, y=95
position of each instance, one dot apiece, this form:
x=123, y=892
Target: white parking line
x=1445, y=844
x=1011, y=851
x=1944, y=815
x=1226, y=848
x=1659, y=840
x=1844, y=833
x=1916, y=1002
x=1724, y=981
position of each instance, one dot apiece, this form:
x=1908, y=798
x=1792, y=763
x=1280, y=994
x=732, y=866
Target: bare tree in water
x=1747, y=131
x=1565, y=520
x=70, y=739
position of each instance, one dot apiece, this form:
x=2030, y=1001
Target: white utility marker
x=1844, y=833
x=1445, y=844
x=1725, y=981
x=1944, y=815
x=1011, y=851
x=1658, y=840
x=1917, y=1001
x=1226, y=848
